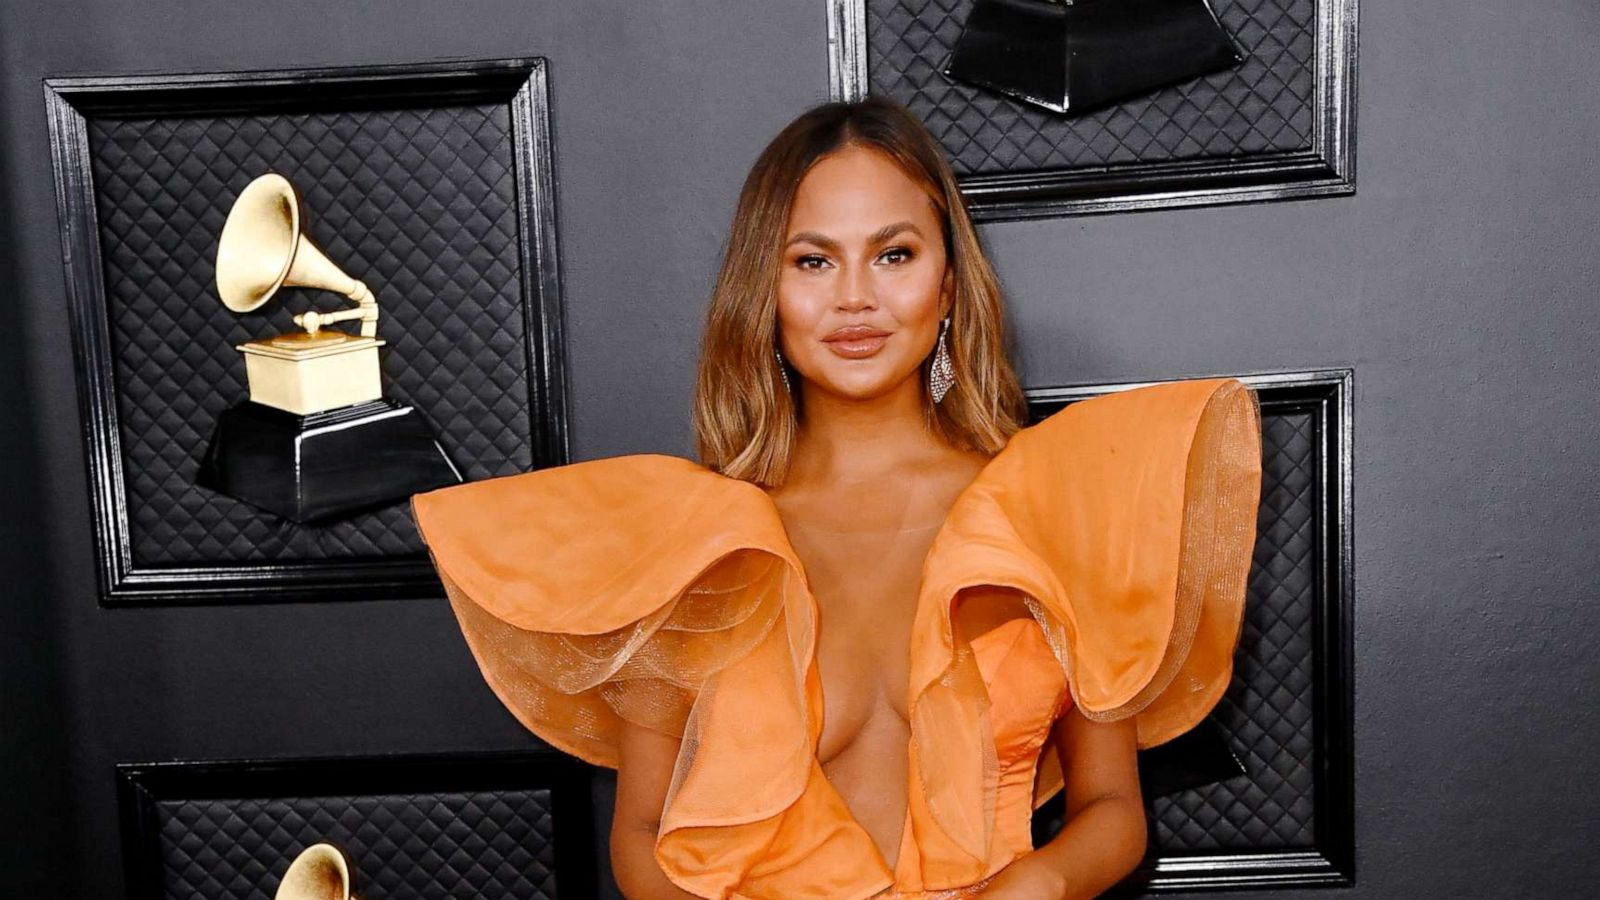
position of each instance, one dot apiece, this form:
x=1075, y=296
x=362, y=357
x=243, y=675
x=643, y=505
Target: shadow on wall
x=36, y=829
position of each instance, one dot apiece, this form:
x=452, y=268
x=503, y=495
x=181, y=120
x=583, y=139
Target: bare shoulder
x=945, y=474
x=946, y=469
x=962, y=466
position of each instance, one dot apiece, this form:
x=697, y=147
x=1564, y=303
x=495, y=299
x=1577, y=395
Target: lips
x=856, y=341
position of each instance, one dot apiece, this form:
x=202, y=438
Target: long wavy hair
x=745, y=420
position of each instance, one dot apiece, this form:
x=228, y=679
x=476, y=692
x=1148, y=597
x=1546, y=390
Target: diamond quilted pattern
x=419, y=203
x=405, y=847
x=1266, y=104
x=1267, y=710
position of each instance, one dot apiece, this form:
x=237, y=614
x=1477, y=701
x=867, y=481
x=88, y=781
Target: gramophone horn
x=262, y=249
x=320, y=872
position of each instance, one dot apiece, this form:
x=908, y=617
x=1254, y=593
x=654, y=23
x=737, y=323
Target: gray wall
x=1460, y=284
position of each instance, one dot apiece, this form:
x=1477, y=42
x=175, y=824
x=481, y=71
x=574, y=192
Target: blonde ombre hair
x=745, y=421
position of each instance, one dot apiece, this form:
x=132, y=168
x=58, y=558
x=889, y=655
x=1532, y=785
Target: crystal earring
x=942, y=374
x=782, y=371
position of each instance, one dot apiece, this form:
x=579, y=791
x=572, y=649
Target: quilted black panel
x=1267, y=709
x=496, y=844
x=1266, y=104
x=418, y=203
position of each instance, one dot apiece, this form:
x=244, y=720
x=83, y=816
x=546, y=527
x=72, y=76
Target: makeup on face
x=861, y=283
x=856, y=341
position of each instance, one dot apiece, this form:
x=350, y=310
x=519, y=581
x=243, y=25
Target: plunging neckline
x=885, y=866
x=891, y=870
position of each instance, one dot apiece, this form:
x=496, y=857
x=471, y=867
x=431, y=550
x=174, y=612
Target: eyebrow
x=877, y=237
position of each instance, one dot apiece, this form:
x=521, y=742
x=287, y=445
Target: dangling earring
x=781, y=370
x=942, y=374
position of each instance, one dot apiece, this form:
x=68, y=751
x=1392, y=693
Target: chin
x=860, y=385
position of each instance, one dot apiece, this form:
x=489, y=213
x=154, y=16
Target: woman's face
x=864, y=280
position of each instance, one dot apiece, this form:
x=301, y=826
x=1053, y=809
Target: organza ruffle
x=647, y=589
x=1125, y=524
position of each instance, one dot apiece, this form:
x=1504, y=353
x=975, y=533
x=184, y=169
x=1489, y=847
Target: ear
x=947, y=291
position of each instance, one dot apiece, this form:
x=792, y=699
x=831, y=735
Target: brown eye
x=810, y=263
x=895, y=255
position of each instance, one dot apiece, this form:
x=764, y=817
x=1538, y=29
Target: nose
x=855, y=289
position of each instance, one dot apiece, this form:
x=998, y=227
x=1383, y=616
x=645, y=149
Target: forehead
x=858, y=189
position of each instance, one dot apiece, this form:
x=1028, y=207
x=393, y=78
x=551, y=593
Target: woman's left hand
x=1026, y=878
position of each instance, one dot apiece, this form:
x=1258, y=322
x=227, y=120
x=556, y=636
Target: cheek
x=915, y=294
x=801, y=304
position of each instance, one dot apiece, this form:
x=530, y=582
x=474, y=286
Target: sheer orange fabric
x=649, y=589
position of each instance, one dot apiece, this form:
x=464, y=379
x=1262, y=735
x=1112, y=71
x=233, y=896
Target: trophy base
x=325, y=465
x=1196, y=758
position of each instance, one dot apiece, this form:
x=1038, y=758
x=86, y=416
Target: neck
x=850, y=439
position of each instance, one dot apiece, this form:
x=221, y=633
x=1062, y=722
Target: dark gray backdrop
x=1459, y=282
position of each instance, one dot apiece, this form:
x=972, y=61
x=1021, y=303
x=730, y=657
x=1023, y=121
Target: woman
x=852, y=652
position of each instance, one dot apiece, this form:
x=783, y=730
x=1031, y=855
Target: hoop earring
x=942, y=374
x=782, y=371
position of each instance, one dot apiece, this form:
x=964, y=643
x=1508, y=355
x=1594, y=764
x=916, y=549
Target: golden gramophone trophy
x=320, y=872
x=317, y=440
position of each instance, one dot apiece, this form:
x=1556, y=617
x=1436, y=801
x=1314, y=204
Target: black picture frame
x=143, y=786
x=1326, y=397
x=72, y=102
x=1326, y=168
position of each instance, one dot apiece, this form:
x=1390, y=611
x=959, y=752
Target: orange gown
x=651, y=589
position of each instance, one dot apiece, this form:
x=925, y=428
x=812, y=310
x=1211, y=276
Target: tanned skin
x=867, y=488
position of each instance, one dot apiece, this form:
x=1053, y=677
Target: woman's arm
x=644, y=770
x=1105, y=832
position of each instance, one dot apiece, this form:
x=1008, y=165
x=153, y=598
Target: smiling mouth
x=856, y=342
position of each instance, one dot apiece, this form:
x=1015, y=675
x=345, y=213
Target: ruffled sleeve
x=648, y=589
x=1126, y=523
x=606, y=591
x=1143, y=504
